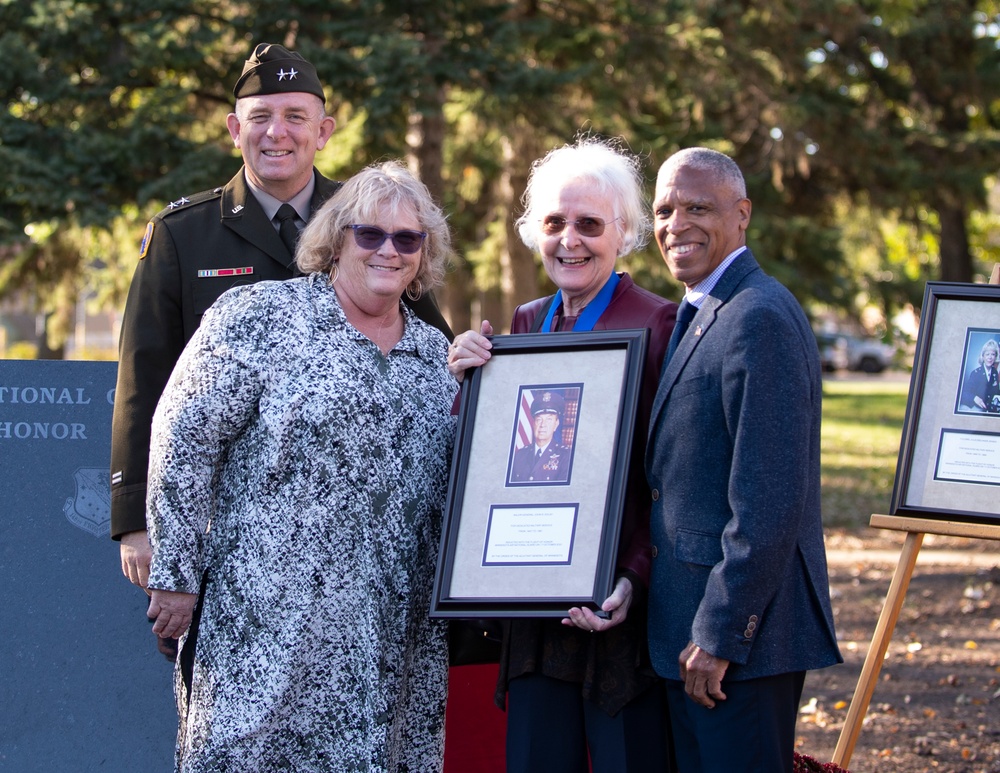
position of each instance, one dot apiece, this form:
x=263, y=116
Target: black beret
x=273, y=69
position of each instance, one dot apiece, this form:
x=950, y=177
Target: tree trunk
x=425, y=140
x=491, y=307
x=456, y=296
x=46, y=352
x=956, y=259
x=518, y=270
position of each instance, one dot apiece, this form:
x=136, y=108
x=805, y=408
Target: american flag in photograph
x=524, y=427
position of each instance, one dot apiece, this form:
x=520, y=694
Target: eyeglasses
x=370, y=237
x=585, y=226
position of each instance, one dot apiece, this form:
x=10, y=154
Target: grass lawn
x=862, y=425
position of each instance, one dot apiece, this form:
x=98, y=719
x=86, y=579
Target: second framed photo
x=538, y=478
x=949, y=458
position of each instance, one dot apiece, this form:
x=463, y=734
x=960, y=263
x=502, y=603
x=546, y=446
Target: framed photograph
x=949, y=458
x=537, y=484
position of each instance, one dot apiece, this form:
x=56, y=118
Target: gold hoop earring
x=414, y=290
x=334, y=273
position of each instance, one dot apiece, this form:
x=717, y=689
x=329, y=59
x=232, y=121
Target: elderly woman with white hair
x=297, y=476
x=582, y=688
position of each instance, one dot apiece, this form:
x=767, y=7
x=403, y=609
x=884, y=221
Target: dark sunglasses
x=370, y=237
x=585, y=226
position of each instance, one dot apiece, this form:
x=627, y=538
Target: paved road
x=893, y=376
x=959, y=558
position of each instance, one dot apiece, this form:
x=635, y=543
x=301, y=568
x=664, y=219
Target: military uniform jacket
x=551, y=467
x=192, y=252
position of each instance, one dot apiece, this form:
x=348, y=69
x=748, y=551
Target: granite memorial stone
x=84, y=688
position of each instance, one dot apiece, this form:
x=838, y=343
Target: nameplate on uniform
x=208, y=272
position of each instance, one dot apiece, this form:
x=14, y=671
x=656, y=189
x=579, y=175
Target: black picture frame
x=949, y=457
x=534, y=548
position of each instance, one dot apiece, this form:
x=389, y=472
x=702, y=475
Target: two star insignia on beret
x=291, y=74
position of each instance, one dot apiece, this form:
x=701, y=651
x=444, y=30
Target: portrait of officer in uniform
x=545, y=459
x=980, y=386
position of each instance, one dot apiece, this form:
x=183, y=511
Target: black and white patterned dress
x=303, y=473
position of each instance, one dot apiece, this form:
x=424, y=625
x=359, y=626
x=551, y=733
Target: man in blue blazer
x=739, y=595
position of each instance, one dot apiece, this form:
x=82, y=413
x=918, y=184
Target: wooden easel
x=915, y=529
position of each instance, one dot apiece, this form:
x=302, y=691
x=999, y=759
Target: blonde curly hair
x=387, y=185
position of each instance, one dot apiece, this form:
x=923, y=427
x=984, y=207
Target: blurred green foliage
x=868, y=131
x=861, y=431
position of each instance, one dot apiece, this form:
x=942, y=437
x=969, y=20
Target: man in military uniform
x=546, y=460
x=200, y=246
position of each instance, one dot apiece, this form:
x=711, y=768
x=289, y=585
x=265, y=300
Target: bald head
x=718, y=166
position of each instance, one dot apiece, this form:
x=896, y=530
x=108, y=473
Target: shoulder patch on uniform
x=146, y=239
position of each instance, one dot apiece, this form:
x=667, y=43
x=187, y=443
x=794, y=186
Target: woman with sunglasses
x=583, y=687
x=298, y=469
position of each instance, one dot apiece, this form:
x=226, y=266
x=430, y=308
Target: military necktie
x=287, y=230
x=685, y=313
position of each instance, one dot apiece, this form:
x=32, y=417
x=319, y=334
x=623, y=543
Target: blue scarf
x=591, y=313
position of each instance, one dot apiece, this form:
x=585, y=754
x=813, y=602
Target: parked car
x=868, y=355
x=832, y=351
x=840, y=351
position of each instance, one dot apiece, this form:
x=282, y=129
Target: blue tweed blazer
x=733, y=461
